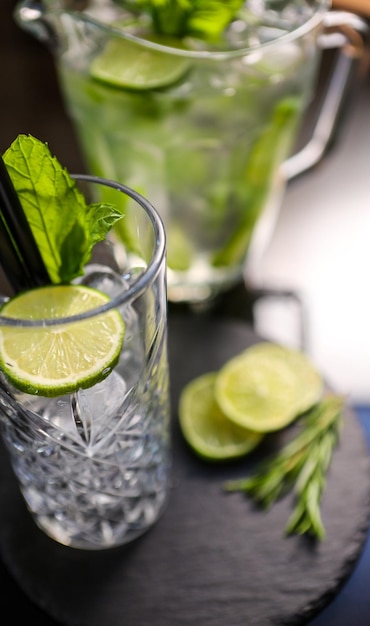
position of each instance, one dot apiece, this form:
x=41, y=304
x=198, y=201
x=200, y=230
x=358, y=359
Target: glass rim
x=138, y=286
x=319, y=8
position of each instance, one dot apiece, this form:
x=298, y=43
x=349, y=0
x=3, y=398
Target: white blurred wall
x=322, y=248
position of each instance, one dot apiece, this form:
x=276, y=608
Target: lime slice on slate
x=267, y=386
x=128, y=64
x=204, y=426
x=310, y=382
x=54, y=360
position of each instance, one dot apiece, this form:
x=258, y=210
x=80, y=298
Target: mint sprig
x=64, y=226
x=205, y=19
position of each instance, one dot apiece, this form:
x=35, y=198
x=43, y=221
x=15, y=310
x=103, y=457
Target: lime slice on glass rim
x=206, y=429
x=125, y=63
x=59, y=359
x=267, y=386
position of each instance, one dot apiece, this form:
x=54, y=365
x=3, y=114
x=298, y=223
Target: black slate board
x=212, y=559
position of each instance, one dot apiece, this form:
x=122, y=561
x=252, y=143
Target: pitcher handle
x=347, y=32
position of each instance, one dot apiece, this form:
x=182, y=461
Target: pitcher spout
x=32, y=17
x=67, y=26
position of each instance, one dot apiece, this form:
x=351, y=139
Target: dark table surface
x=30, y=102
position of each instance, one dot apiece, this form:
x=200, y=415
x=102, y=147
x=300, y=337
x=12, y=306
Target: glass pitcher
x=201, y=126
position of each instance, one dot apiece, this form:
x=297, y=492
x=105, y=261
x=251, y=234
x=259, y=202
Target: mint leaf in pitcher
x=64, y=226
x=205, y=19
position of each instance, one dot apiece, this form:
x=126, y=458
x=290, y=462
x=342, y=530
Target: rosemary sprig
x=300, y=465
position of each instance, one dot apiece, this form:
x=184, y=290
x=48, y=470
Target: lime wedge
x=204, y=426
x=128, y=64
x=54, y=360
x=266, y=387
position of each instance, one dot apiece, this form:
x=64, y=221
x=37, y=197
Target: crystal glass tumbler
x=94, y=465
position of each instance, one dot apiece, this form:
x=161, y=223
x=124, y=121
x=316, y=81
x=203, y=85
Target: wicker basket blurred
x=362, y=7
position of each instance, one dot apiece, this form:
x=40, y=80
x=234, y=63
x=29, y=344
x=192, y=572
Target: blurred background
x=321, y=248
x=30, y=99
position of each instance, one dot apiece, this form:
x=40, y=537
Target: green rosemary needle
x=301, y=465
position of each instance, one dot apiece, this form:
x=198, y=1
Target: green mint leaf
x=64, y=226
x=206, y=19
x=211, y=17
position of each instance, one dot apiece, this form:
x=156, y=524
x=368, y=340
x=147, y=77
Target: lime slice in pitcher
x=128, y=64
x=206, y=429
x=54, y=360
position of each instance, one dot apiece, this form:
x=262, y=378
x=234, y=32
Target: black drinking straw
x=10, y=261
x=19, y=254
